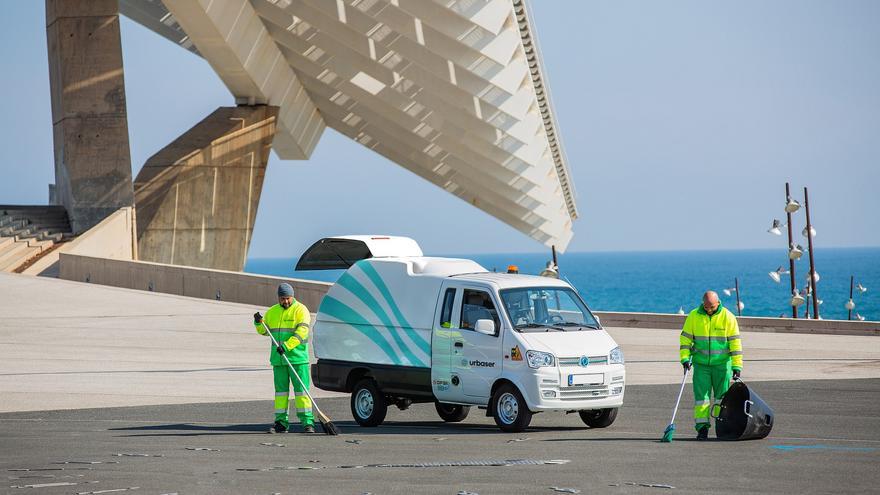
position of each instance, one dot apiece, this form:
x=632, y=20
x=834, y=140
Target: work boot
x=308, y=429
x=703, y=434
x=278, y=427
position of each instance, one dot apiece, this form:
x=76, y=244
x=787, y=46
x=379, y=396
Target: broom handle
x=292, y=370
x=680, y=391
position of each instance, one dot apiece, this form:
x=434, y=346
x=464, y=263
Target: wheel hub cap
x=508, y=408
x=364, y=403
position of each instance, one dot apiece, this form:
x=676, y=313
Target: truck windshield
x=544, y=309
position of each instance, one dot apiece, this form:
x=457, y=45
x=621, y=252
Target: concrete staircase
x=27, y=231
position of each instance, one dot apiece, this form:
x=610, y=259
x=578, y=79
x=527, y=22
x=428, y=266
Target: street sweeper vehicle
x=399, y=328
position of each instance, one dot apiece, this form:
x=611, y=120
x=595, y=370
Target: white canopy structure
x=451, y=90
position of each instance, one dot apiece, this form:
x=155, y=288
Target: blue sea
x=664, y=281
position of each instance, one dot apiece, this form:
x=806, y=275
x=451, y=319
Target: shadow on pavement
x=626, y=439
x=188, y=429
x=347, y=427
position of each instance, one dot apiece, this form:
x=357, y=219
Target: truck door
x=445, y=330
x=476, y=357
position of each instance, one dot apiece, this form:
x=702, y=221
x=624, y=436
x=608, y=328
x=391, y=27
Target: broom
x=326, y=424
x=667, y=435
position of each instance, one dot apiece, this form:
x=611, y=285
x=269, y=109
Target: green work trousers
x=283, y=379
x=709, y=381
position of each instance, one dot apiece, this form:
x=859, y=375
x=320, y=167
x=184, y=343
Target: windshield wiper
x=581, y=325
x=539, y=325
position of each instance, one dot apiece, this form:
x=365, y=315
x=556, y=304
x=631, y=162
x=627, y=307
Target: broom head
x=327, y=425
x=667, y=435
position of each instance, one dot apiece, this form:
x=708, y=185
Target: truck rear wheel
x=598, y=418
x=368, y=405
x=451, y=413
x=510, y=410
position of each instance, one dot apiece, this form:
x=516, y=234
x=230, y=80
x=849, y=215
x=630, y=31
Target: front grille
x=575, y=361
x=584, y=392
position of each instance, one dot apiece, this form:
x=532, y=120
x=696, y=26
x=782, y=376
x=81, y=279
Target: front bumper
x=547, y=389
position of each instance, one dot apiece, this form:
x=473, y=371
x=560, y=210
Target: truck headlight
x=537, y=359
x=616, y=356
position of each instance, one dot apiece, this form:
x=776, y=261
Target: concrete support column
x=89, y=121
x=197, y=198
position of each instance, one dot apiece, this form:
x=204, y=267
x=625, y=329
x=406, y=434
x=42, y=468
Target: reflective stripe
x=735, y=337
x=688, y=335
x=280, y=411
x=711, y=338
x=282, y=394
x=702, y=420
x=702, y=403
x=683, y=347
x=712, y=352
x=301, y=325
x=736, y=353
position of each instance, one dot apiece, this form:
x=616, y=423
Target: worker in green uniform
x=289, y=323
x=710, y=340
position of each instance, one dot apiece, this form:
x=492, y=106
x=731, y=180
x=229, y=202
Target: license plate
x=592, y=379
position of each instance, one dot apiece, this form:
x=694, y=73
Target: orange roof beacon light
x=512, y=269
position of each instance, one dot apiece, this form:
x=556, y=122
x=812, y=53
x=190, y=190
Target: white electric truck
x=398, y=327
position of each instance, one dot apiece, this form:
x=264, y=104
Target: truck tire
x=598, y=418
x=451, y=413
x=368, y=405
x=510, y=410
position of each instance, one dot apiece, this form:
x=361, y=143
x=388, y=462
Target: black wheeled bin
x=743, y=415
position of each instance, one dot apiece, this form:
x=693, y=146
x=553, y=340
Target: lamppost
x=791, y=206
x=851, y=305
x=795, y=251
x=809, y=232
x=739, y=304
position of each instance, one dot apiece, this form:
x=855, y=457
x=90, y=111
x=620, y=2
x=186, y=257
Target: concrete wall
x=260, y=289
x=89, y=119
x=113, y=238
x=746, y=323
x=188, y=281
x=197, y=198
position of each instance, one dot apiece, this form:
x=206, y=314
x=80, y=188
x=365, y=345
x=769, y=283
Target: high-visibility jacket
x=711, y=340
x=290, y=327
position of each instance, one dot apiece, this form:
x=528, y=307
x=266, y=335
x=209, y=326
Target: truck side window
x=477, y=305
x=446, y=312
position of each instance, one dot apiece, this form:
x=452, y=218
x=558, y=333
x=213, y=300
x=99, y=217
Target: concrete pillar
x=197, y=198
x=89, y=121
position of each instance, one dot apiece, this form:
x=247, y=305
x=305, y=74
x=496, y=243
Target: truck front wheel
x=510, y=410
x=451, y=413
x=598, y=418
x=368, y=405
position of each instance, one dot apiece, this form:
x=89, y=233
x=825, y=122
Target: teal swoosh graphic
x=332, y=307
x=364, y=295
x=383, y=289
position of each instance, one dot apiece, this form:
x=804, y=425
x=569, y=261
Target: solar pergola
x=451, y=90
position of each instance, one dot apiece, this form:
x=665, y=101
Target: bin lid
x=339, y=253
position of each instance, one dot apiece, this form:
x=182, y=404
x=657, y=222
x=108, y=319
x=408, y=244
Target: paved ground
x=196, y=375
x=826, y=440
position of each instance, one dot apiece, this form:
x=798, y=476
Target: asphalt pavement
x=826, y=439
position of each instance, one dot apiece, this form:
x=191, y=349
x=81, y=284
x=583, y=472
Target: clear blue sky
x=682, y=120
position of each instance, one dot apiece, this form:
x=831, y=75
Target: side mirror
x=486, y=327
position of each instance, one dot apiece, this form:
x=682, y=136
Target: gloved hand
x=280, y=350
x=258, y=318
x=686, y=365
x=736, y=374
